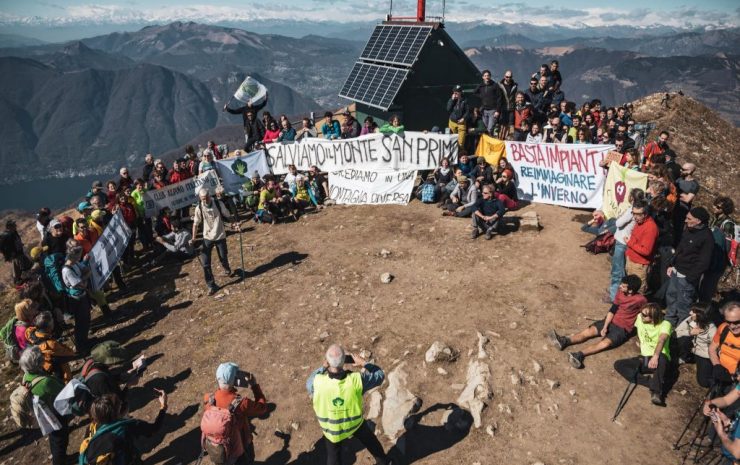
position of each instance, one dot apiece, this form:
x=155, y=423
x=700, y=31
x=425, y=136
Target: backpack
x=109, y=445
x=53, y=270
x=428, y=192
x=21, y=404
x=217, y=427
x=76, y=397
x=603, y=243
x=7, y=335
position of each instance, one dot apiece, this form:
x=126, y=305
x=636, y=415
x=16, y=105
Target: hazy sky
x=575, y=12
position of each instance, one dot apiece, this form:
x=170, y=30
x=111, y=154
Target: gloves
x=721, y=375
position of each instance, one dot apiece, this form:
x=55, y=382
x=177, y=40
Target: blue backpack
x=428, y=192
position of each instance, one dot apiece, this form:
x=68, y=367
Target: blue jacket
x=371, y=378
x=331, y=132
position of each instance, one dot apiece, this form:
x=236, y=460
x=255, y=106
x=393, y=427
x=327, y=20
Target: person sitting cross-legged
x=488, y=214
x=614, y=330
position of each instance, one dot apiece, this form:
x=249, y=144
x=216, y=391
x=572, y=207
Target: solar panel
x=373, y=85
x=395, y=44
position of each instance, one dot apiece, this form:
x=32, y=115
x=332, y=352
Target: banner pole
x=241, y=247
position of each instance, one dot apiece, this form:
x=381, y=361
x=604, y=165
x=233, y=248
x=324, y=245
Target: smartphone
x=349, y=359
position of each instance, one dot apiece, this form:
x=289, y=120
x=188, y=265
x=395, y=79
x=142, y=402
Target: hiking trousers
x=460, y=129
x=205, y=259
x=678, y=298
x=58, y=442
x=366, y=436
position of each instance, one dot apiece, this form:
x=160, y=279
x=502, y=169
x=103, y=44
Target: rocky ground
x=310, y=283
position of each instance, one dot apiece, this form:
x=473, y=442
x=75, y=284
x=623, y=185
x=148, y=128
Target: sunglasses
x=58, y=226
x=733, y=323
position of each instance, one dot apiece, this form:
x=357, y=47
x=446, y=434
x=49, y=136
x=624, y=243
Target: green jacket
x=47, y=389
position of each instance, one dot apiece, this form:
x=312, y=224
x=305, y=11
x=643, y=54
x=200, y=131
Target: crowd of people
x=667, y=254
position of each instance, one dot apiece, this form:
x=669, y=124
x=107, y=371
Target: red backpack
x=217, y=430
x=603, y=243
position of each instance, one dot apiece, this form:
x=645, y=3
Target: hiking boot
x=576, y=359
x=561, y=342
x=448, y=213
x=228, y=273
x=656, y=400
x=213, y=289
x=489, y=234
x=474, y=233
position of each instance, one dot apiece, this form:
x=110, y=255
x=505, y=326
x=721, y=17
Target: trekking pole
x=676, y=445
x=241, y=247
x=627, y=394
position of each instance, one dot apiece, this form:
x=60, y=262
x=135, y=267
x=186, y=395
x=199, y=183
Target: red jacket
x=178, y=176
x=129, y=213
x=521, y=114
x=641, y=244
x=651, y=149
x=247, y=408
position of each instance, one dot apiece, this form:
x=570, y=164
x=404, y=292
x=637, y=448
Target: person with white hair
x=126, y=180
x=46, y=387
x=241, y=409
x=211, y=215
x=206, y=162
x=303, y=194
x=337, y=401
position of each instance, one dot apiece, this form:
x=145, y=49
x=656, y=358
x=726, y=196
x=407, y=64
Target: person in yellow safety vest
x=337, y=402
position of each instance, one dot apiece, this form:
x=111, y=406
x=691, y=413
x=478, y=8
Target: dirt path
x=322, y=275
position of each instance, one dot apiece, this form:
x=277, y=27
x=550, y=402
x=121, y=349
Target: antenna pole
x=390, y=10
x=444, y=2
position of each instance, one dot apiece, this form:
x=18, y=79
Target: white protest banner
x=412, y=151
x=179, y=195
x=559, y=174
x=236, y=171
x=108, y=249
x=362, y=187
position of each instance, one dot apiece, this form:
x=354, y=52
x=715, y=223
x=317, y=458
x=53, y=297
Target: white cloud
x=372, y=11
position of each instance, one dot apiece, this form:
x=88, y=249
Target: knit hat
x=701, y=214
x=37, y=251
x=26, y=310
x=226, y=373
x=110, y=353
x=83, y=206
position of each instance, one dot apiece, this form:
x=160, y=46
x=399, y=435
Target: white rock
x=482, y=341
x=515, y=379
x=553, y=384
x=374, y=404
x=572, y=392
x=439, y=352
x=385, y=253
x=537, y=367
x=513, y=325
x=477, y=392
x=441, y=371
x=399, y=403
x=386, y=278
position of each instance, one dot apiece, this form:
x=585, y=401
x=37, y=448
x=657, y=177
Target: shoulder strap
x=723, y=334
x=235, y=403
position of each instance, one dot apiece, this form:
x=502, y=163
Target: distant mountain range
x=88, y=106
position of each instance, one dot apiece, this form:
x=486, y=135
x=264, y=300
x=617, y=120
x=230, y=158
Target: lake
x=53, y=193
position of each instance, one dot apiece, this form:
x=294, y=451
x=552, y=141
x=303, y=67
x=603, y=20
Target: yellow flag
x=491, y=149
x=619, y=182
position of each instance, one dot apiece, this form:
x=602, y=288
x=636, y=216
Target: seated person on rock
x=613, y=330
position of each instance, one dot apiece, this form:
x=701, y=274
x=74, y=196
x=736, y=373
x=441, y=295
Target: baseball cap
x=83, y=206
x=53, y=223
x=457, y=88
x=226, y=373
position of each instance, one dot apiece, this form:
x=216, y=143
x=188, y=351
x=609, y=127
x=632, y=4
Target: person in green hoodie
x=393, y=126
x=143, y=224
x=46, y=387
